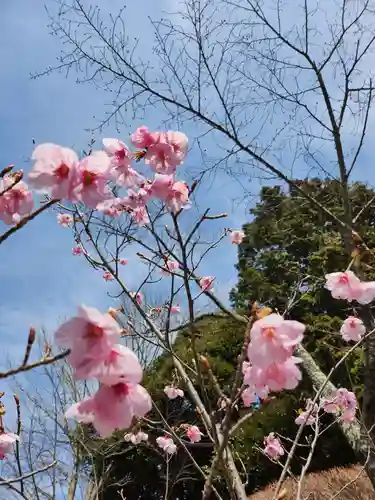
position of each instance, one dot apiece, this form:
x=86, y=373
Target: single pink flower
x=112, y=407
x=90, y=181
x=121, y=158
x=123, y=262
x=118, y=152
x=352, y=329
x=142, y=138
x=178, y=198
x=7, y=439
x=77, y=250
x=65, y=220
x=173, y=392
x=344, y=285
x=166, y=444
x=273, y=447
x=162, y=186
x=206, y=283
x=308, y=417
x=120, y=365
x=16, y=202
x=194, y=434
x=166, y=152
x=137, y=296
x=108, y=276
x=273, y=338
x=175, y=309
x=54, y=170
x=237, y=237
x=90, y=335
x=175, y=194
x=275, y=376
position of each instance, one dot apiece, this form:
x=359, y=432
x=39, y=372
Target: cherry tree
x=112, y=202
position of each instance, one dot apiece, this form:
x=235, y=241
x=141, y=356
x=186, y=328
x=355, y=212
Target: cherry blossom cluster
x=342, y=404
x=58, y=172
x=92, y=338
x=271, y=366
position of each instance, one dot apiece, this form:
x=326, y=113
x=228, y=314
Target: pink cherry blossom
x=112, y=207
x=108, y=276
x=166, y=444
x=142, y=138
x=342, y=402
x=273, y=338
x=273, y=447
x=343, y=285
x=136, y=438
x=16, y=202
x=7, y=439
x=206, y=283
x=112, y=407
x=173, y=392
x=162, y=186
x=123, y=262
x=120, y=365
x=54, y=170
x=308, y=417
x=121, y=157
x=194, y=434
x=175, y=309
x=174, y=194
x=237, y=237
x=65, y=220
x=352, y=329
x=136, y=199
x=90, y=181
x=166, y=152
x=275, y=376
x=89, y=335
x=137, y=296
x=178, y=198
x=118, y=152
x=77, y=250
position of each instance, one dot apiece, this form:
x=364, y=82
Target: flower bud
x=32, y=334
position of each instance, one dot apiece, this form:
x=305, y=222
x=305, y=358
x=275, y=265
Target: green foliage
x=288, y=248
